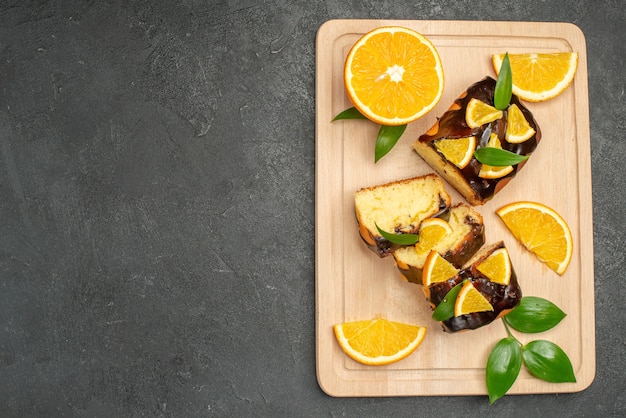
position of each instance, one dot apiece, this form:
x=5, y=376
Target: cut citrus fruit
x=378, y=341
x=437, y=269
x=393, y=75
x=539, y=77
x=479, y=113
x=518, y=129
x=492, y=171
x=542, y=231
x=432, y=230
x=470, y=300
x=497, y=267
x=458, y=151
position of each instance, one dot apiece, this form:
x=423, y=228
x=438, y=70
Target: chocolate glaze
x=502, y=298
x=452, y=125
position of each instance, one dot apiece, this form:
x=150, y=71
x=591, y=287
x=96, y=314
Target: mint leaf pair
x=543, y=359
x=387, y=136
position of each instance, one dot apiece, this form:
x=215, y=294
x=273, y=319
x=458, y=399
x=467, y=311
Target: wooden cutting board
x=352, y=283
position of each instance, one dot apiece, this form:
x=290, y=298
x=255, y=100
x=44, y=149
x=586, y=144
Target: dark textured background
x=157, y=172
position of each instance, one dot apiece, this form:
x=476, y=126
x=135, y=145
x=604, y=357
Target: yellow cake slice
x=398, y=207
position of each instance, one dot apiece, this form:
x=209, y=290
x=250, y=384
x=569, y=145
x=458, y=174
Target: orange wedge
x=459, y=151
x=432, y=230
x=470, y=300
x=393, y=75
x=542, y=231
x=497, y=267
x=479, y=113
x=491, y=171
x=518, y=129
x=539, y=77
x=436, y=269
x=378, y=341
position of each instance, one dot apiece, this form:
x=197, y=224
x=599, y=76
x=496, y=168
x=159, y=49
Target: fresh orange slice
x=479, y=113
x=497, y=267
x=492, y=171
x=437, y=269
x=459, y=151
x=542, y=231
x=378, y=341
x=518, y=129
x=393, y=75
x=539, y=77
x=432, y=230
x=470, y=300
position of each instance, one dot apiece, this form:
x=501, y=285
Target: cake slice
x=466, y=236
x=398, y=207
x=472, y=179
x=502, y=297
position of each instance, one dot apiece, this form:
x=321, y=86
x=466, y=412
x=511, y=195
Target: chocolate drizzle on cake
x=452, y=125
x=503, y=298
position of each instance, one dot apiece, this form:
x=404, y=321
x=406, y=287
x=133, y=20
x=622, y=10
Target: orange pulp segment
x=470, y=300
x=437, y=269
x=497, y=267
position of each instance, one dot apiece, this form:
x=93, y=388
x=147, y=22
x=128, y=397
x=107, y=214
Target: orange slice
x=497, y=267
x=492, y=171
x=539, y=77
x=437, y=269
x=378, y=341
x=479, y=113
x=459, y=151
x=393, y=75
x=432, y=230
x=542, y=231
x=470, y=300
x=518, y=129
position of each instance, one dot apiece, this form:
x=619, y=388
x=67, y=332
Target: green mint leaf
x=504, y=85
x=503, y=366
x=498, y=157
x=387, y=138
x=350, y=113
x=445, y=310
x=547, y=361
x=534, y=314
x=401, y=239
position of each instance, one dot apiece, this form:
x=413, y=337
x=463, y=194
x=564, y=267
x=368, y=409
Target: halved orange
x=432, y=230
x=492, y=171
x=479, y=113
x=497, y=267
x=437, y=269
x=459, y=151
x=539, y=77
x=518, y=129
x=542, y=231
x=378, y=341
x=393, y=75
x=470, y=300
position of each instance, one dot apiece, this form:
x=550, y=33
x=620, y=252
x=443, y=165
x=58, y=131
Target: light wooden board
x=352, y=283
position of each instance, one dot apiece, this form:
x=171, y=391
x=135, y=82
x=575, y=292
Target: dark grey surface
x=157, y=202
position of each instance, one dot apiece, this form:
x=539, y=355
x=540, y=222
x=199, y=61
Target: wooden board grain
x=352, y=283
